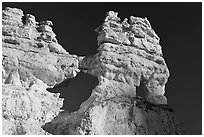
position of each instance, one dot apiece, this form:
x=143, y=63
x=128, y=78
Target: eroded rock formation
x=32, y=61
x=129, y=55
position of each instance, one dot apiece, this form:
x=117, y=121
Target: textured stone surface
x=24, y=111
x=32, y=61
x=118, y=116
x=129, y=116
x=26, y=49
x=129, y=55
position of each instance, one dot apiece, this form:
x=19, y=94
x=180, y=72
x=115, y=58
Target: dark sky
x=179, y=26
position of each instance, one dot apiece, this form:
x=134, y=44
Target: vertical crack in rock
x=129, y=60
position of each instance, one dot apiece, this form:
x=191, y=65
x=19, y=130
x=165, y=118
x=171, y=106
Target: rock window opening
x=141, y=91
x=75, y=90
x=24, y=19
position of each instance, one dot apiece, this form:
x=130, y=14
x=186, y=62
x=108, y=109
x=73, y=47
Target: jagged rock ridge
x=129, y=55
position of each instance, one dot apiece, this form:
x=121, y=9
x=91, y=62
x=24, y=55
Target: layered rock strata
x=129, y=55
x=32, y=61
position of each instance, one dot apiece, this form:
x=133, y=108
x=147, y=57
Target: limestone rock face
x=32, y=61
x=129, y=55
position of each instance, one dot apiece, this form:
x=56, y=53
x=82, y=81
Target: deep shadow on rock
x=73, y=92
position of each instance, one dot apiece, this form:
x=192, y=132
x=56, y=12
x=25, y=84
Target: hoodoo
x=129, y=55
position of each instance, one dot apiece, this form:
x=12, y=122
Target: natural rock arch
x=129, y=55
x=75, y=90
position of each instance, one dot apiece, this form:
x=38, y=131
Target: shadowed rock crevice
x=73, y=92
x=141, y=91
x=23, y=19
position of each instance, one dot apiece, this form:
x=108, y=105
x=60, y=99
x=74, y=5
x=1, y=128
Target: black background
x=179, y=26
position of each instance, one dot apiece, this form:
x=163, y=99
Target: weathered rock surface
x=129, y=55
x=25, y=111
x=118, y=116
x=32, y=61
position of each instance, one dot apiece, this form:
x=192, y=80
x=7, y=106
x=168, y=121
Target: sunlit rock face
x=129, y=116
x=32, y=61
x=129, y=55
x=118, y=116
